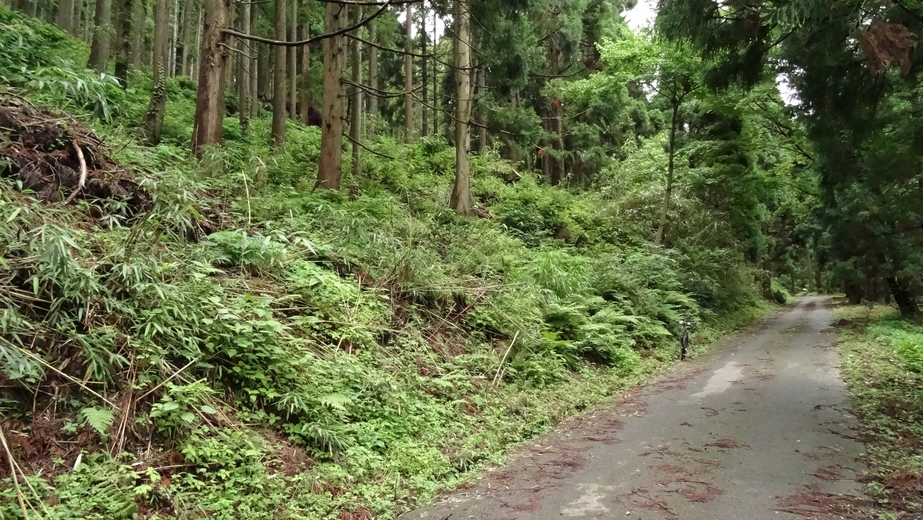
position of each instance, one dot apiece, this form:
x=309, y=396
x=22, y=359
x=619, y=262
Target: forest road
x=759, y=428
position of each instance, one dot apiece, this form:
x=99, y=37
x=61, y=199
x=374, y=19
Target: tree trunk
x=461, y=193
x=190, y=17
x=139, y=27
x=903, y=297
x=279, y=77
x=355, y=99
x=329, y=167
x=152, y=124
x=668, y=192
x=209, y=111
x=424, y=77
x=65, y=18
x=243, y=81
x=196, y=56
x=231, y=67
x=373, y=70
x=174, y=40
x=87, y=22
x=102, y=30
x=408, y=77
x=482, y=116
x=435, y=96
x=123, y=40
x=552, y=163
x=293, y=65
x=305, y=90
x=264, y=75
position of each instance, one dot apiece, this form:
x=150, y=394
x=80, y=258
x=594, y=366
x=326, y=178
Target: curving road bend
x=760, y=428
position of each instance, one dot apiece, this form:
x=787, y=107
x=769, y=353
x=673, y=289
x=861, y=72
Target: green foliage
x=97, y=418
x=906, y=339
x=326, y=351
x=881, y=359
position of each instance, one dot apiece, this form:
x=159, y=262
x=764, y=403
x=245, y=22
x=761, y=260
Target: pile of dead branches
x=61, y=159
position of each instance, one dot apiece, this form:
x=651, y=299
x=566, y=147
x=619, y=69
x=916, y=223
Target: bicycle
x=684, y=339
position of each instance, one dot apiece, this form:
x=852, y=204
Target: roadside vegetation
x=222, y=295
x=213, y=338
x=883, y=367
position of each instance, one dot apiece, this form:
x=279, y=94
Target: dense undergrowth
x=882, y=364
x=247, y=347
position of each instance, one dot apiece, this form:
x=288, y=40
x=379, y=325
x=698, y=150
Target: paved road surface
x=758, y=429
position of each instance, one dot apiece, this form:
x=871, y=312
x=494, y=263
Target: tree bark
x=461, y=193
x=279, y=77
x=668, y=192
x=293, y=64
x=355, y=99
x=435, y=96
x=408, y=77
x=552, y=163
x=123, y=40
x=65, y=18
x=264, y=70
x=373, y=70
x=190, y=17
x=305, y=90
x=196, y=57
x=424, y=77
x=102, y=30
x=243, y=81
x=174, y=40
x=152, y=124
x=329, y=168
x=903, y=297
x=209, y=113
x=139, y=27
x=482, y=116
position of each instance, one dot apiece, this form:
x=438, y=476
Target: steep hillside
x=216, y=338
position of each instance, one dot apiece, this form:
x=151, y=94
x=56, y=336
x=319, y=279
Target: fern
x=98, y=418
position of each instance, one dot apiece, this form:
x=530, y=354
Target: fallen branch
x=83, y=174
x=502, y=361
x=9, y=456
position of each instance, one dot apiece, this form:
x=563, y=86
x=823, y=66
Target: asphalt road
x=760, y=428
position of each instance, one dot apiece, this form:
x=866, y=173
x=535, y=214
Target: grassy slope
x=883, y=358
x=271, y=352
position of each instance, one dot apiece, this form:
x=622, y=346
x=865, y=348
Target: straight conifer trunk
x=102, y=30
x=243, y=79
x=279, y=78
x=329, y=168
x=424, y=78
x=408, y=77
x=482, y=116
x=65, y=18
x=355, y=100
x=304, y=93
x=373, y=70
x=152, y=124
x=139, y=22
x=123, y=40
x=461, y=193
x=209, y=111
x=293, y=65
x=435, y=96
x=190, y=15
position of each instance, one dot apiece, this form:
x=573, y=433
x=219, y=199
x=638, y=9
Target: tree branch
x=300, y=43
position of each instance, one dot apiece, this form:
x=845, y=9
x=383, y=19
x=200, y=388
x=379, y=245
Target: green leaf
x=97, y=418
x=207, y=409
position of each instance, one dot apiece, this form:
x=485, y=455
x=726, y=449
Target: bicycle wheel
x=683, y=346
